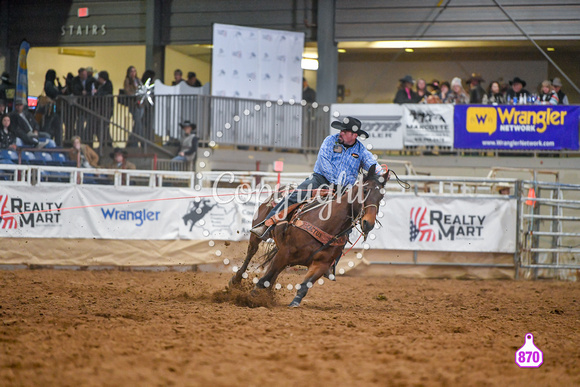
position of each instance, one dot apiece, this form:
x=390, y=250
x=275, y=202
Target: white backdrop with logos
x=256, y=63
x=430, y=223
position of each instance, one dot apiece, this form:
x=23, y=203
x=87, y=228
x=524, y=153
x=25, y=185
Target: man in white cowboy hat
x=339, y=159
x=562, y=97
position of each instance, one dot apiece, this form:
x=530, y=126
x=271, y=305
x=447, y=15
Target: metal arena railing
x=111, y=120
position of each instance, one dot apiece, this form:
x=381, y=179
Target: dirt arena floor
x=122, y=328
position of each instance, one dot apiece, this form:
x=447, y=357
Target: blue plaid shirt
x=342, y=167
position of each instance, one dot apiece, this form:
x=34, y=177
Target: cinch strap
x=321, y=236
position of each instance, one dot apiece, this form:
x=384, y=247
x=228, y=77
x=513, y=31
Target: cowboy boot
x=262, y=231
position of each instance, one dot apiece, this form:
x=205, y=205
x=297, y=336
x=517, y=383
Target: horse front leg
x=315, y=271
x=252, y=249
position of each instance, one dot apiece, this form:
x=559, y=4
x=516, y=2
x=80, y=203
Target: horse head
x=373, y=192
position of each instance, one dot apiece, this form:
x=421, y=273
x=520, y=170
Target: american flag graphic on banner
x=419, y=226
x=6, y=220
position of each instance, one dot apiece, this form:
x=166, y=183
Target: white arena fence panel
x=439, y=214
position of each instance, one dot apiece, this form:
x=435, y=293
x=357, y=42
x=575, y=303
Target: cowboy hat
x=350, y=124
x=119, y=150
x=475, y=77
x=518, y=80
x=557, y=82
x=187, y=123
x=407, y=78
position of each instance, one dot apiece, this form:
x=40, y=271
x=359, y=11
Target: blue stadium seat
x=63, y=160
x=7, y=154
x=28, y=157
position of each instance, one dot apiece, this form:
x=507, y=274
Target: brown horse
x=307, y=239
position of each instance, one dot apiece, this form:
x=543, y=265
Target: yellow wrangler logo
x=481, y=120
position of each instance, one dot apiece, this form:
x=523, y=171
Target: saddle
x=295, y=210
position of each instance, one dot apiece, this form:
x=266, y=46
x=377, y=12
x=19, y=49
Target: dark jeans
x=313, y=182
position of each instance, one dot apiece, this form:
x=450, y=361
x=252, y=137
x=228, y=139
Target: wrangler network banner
x=428, y=124
x=532, y=127
x=383, y=122
x=123, y=213
x=447, y=224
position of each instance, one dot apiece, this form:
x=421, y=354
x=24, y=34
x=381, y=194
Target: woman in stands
x=457, y=95
x=443, y=90
x=51, y=89
x=83, y=154
x=7, y=137
x=130, y=87
x=494, y=95
x=421, y=89
x=547, y=94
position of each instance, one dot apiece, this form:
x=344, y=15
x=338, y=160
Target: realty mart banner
x=176, y=214
x=526, y=127
x=446, y=224
x=383, y=122
x=409, y=222
x=428, y=124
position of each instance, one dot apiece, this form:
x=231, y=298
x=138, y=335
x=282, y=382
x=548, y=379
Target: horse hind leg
x=316, y=270
x=253, y=246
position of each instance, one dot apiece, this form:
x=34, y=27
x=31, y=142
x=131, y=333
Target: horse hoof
x=294, y=304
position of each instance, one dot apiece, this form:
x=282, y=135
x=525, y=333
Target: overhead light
x=341, y=50
x=310, y=55
x=309, y=64
x=551, y=49
x=76, y=52
x=409, y=50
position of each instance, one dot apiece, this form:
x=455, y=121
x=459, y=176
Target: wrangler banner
x=524, y=127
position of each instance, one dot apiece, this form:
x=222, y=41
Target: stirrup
x=262, y=231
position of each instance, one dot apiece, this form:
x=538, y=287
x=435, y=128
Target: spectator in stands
x=68, y=81
x=7, y=136
x=562, y=97
x=433, y=87
x=444, y=90
x=421, y=89
x=51, y=89
x=547, y=94
x=92, y=79
x=457, y=95
x=7, y=89
x=130, y=86
x=178, y=77
x=120, y=161
x=2, y=106
x=188, y=147
x=81, y=85
x=517, y=90
x=106, y=105
x=26, y=127
x=494, y=95
x=433, y=98
x=405, y=94
x=83, y=154
x=192, y=80
x=148, y=74
x=476, y=92
x=308, y=93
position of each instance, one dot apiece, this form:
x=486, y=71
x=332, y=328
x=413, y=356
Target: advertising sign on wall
x=526, y=127
x=383, y=122
x=430, y=124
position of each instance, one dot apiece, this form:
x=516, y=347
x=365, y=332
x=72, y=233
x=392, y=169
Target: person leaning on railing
x=494, y=96
x=83, y=154
x=547, y=94
x=457, y=95
x=130, y=87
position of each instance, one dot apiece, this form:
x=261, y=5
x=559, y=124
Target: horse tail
x=269, y=256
